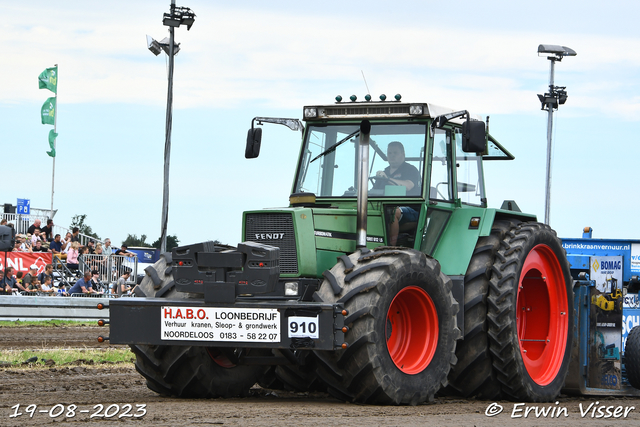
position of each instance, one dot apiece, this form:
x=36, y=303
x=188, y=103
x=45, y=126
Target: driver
x=400, y=172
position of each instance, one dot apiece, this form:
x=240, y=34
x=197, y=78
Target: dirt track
x=118, y=385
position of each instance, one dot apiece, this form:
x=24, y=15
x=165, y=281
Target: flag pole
x=55, y=121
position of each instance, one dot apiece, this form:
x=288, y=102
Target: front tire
x=189, y=371
x=531, y=313
x=402, y=327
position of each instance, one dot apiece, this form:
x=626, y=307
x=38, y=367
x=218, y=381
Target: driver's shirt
x=406, y=172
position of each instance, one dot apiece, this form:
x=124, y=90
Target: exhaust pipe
x=363, y=179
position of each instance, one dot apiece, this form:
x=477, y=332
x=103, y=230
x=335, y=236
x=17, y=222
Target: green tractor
x=386, y=280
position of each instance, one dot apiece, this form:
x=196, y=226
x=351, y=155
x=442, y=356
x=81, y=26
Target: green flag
x=48, y=79
x=52, y=143
x=48, y=111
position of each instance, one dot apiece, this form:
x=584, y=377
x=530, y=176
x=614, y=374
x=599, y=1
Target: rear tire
x=473, y=375
x=189, y=371
x=632, y=357
x=402, y=327
x=531, y=313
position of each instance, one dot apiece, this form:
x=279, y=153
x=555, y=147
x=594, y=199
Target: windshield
x=396, y=160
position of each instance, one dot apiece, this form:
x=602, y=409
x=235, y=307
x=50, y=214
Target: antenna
x=365, y=82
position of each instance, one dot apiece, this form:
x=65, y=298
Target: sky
x=257, y=58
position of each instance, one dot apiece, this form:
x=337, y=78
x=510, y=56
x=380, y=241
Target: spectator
x=7, y=284
x=56, y=248
x=46, y=286
x=75, y=236
x=38, y=247
x=123, y=251
x=25, y=243
x=95, y=280
x=91, y=246
x=47, y=231
x=83, y=285
x=121, y=285
x=82, y=252
x=34, y=226
x=3, y=222
x=62, y=292
x=30, y=281
x=98, y=260
x=48, y=272
x=10, y=282
x=72, y=256
x=17, y=247
x=2, y=285
x=37, y=237
x=66, y=243
x=108, y=249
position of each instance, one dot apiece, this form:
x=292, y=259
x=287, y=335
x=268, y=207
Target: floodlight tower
x=177, y=16
x=556, y=96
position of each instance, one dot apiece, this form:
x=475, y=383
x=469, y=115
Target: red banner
x=21, y=261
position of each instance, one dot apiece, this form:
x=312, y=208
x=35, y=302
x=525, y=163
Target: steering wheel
x=382, y=179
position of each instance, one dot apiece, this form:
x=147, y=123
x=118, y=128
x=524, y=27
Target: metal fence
x=111, y=267
x=19, y=307
x=21, y=224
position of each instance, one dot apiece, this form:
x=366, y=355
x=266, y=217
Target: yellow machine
x=607, y=301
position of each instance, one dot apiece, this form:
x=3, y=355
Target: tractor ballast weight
x=220, y=275
x=386, y=280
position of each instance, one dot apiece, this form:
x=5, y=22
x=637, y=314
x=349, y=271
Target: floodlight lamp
x=165, y=42
x=188, y=21
x=171, y=21
x=556, y=50
x=153, y=46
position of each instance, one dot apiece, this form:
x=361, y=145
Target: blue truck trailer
x=606, y=309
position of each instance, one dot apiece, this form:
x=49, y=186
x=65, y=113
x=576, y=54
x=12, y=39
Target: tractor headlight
x=310, y=113
x=291, y=288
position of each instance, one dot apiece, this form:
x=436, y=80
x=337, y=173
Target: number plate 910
x=303, y=327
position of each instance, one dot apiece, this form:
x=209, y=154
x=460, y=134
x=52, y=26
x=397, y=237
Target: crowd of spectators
x=69, y=252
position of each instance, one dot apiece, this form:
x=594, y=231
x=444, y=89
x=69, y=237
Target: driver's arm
x=407, y=183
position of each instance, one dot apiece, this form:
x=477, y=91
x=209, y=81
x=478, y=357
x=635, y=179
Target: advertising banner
x=21, y=261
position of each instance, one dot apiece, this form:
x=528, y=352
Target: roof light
x=353, y=98
x=310, y=112
x=367, y=97
x=383, y=97
x=338, y=98
x=416, y=110
x=398, y=97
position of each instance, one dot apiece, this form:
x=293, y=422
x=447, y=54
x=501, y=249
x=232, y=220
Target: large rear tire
x=402, y=327
x=531, y=313
x=189, y=371
x=473, y=375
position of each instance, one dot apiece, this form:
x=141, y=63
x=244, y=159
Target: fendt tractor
x=387, y=279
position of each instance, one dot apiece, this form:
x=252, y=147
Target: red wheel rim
x=542, y=315
x=412, y=330
x=220, y=359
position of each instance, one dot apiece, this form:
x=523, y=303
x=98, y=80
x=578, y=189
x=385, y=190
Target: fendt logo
x=269, y=236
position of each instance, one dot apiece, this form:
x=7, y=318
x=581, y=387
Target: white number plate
x=220, y=324
x=304, y=327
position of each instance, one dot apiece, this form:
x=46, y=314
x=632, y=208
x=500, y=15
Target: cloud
x=286, y=58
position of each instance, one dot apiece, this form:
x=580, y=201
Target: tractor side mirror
x=254, y=137
x=474, y=138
